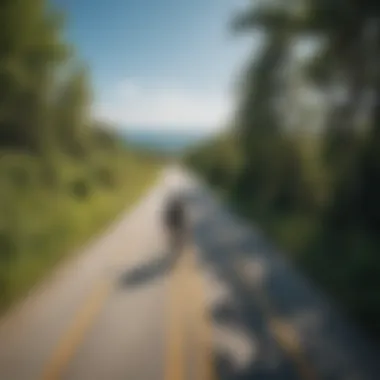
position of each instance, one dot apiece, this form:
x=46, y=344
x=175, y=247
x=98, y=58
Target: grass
x=39, y=227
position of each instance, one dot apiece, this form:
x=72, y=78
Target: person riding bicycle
x=175, y=222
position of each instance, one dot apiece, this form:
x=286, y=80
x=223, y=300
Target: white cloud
x=151, y=107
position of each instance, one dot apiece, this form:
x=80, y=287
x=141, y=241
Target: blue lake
x=169, y=142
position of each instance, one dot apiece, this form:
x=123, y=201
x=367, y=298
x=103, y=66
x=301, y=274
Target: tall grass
x=40, y=225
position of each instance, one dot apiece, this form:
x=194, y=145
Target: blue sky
x=159, y=63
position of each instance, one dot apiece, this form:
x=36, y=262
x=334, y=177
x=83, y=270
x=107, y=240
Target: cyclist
x=175, y=223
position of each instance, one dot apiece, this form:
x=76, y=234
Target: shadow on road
x=243, y=345
x=146, y=273
x=243, y=261
x=161, y=266
x=240, y=261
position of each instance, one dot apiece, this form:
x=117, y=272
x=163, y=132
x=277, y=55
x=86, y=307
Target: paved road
x=229, y=308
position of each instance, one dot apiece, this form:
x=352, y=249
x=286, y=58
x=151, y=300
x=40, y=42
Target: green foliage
x=62, y=176
x=105, y=177
x=72, y=107
x=317, y=195
x=80, y=189
x=39, y=226
x=31, y=48
x=220, y=161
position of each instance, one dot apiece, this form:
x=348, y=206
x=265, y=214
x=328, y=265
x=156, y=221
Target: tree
x=73, y=104
x=271, y=171
x=31, y=48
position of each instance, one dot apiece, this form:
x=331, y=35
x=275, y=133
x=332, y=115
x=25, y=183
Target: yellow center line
x=186, y=302
x=75, y=334
x=184, y=277
x=174, y=365
x=205, y=361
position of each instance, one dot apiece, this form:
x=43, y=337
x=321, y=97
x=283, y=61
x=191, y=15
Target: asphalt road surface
x=229, y=307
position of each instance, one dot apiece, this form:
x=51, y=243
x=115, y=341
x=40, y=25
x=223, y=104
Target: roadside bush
x=105, y=177
x=80, y=188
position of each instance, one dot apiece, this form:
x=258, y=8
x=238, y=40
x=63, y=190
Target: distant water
x=167, y=142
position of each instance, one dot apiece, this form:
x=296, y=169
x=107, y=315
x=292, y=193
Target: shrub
x=80, y=188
